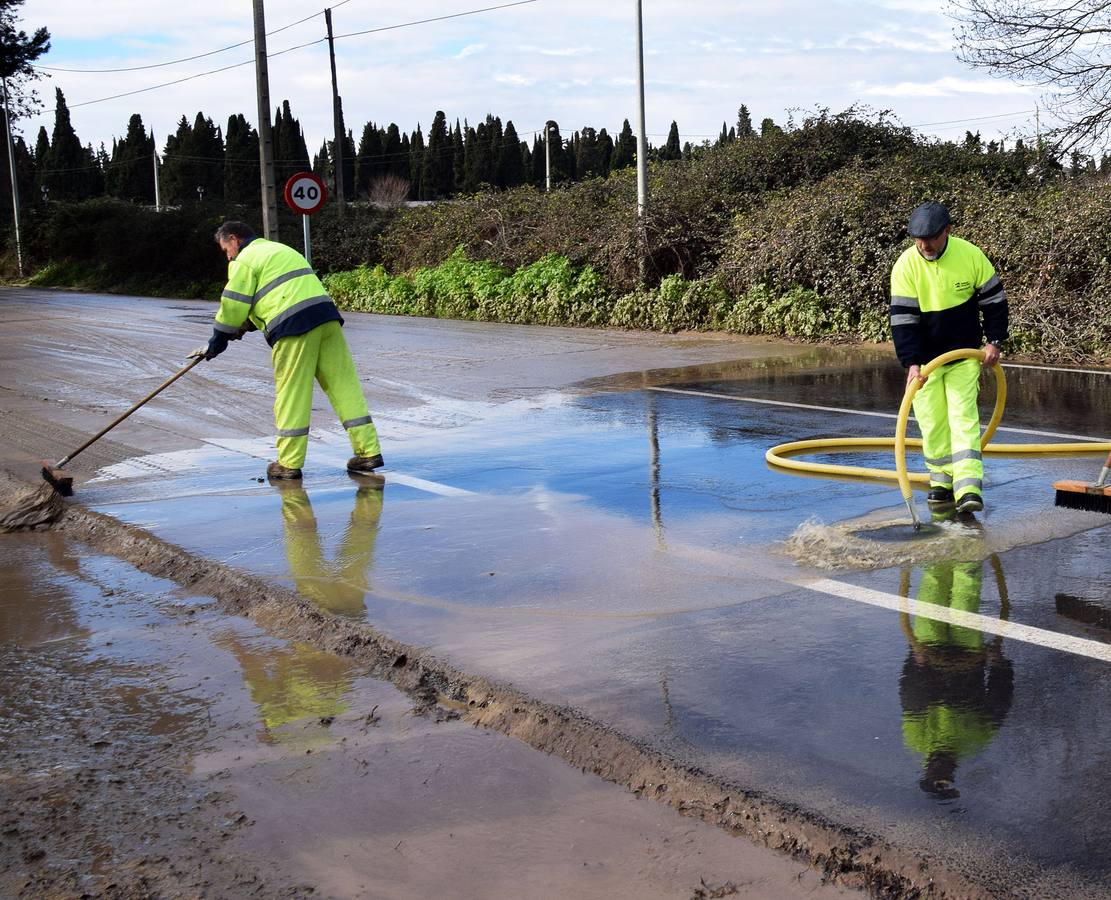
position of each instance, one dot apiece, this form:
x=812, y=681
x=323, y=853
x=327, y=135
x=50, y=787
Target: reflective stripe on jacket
x=936, y=305
x=275, y=287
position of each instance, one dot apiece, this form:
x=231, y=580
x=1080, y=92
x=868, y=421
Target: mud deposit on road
x=850, y=857
x=93, y=789
x=27, y=508
x=152, y=746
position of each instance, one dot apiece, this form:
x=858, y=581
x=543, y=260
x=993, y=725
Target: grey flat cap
x=927, y=220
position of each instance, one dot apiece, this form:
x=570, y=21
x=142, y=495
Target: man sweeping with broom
x=272, y=288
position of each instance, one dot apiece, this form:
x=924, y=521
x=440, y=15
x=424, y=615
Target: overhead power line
x=155, y=87
x=174, y=62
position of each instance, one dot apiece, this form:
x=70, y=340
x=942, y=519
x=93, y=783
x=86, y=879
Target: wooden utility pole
x=15, y=183
x=337, y=115
x=157, y=186
x=265, y=130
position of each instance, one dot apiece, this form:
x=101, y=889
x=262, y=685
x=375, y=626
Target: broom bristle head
x=61, y=482
x=1078, y=495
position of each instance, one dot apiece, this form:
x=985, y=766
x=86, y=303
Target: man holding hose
x=945, y=296
x=271, y=287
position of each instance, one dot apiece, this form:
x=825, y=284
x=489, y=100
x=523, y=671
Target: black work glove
x=243, y=329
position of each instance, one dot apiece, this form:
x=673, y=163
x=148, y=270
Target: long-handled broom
x=1094, y=497
x=63, y=481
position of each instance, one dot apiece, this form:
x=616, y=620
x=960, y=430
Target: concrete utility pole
x=642, y=140
x=337, y=114
x=15, y=186
x=547, y=157
x=265, y=130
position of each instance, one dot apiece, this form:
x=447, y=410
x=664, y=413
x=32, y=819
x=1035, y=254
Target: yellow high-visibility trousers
x=339, y=586
x=321, y=355
x=945, y=407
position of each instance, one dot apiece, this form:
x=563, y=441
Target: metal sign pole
x=308, y=240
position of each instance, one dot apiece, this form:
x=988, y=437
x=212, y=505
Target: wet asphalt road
x=618, y=547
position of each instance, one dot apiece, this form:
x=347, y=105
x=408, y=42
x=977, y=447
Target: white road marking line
x=859, y=412
x=1013, y=630
x=423, y=484
x=1057, y=369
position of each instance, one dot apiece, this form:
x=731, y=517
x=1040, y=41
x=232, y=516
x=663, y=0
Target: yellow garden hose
x=779, y=455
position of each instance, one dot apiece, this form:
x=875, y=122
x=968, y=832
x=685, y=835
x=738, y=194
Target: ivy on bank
x=552, y=291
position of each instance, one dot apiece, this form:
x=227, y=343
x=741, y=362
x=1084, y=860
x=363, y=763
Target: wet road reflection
x=338, y=586
x=292, y=685
x=956, y=686
x=621, y=546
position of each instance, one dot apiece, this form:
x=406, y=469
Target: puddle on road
x=614, y=541
x=146, y=736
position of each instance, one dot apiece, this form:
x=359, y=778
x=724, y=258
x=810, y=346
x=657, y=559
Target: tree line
x=201, y=160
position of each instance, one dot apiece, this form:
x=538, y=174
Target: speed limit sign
x=305, y=193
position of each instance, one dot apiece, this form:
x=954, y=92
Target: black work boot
x=364, y=465
x=277, y=472
x=939, y=497
x=969, y=503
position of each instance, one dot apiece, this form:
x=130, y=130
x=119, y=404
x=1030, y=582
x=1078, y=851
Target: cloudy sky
x=569, y=60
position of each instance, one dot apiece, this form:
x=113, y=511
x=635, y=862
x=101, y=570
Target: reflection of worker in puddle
x=339, y=586
x=294, y=687
x=956, y=686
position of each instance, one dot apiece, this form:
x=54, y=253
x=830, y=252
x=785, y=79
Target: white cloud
x=515, y=79
x=942, y=87
x=559, y=51
x=469, y=50
x=703, y=59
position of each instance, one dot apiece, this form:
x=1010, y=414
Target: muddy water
x=152, y=746
x=622, y=552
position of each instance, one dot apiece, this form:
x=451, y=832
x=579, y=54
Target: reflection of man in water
x=340, y=586
x=955, y=688
x=291, y=684
x=298, y=683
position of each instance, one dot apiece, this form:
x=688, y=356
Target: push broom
x=61, y=481
x=1094, y=497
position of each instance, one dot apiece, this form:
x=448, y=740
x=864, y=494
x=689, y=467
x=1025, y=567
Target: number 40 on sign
x=305, y=194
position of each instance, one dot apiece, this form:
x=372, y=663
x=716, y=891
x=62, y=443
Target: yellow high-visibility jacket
x=937, y=305
x=273, y=287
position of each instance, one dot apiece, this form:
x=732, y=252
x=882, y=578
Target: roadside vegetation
x=790, y=232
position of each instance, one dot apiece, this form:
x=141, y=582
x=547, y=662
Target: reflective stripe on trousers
x=321, y=355
x=945, y=407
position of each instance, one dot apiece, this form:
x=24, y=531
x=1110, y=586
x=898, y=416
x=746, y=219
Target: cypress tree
x=474, y=161
x=322, y=164
x=537, y=168
x=130, y=173
x=416, y=164
x=242, y=183
x=672, y=149
x=494, y=136
x=291, y=155
x=605, y=152
x=744, y=124
x=368, y=159
x=458, y=158
x=625, y=150
x=438, y=174
x=511, y=168
x=588, y=156
x=42, y=146
x=395, y=153
x=67, y=167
